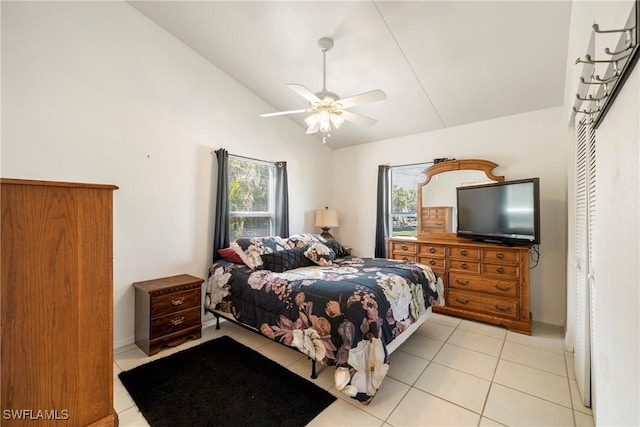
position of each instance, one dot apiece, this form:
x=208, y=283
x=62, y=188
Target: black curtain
x=383, y=210
x=221, y=226
x=282, y=200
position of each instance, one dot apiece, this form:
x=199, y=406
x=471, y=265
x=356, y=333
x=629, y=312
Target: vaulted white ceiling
x=441, y=63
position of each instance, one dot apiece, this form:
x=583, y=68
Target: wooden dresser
x=168, y=311
x=482, y=281
x=57, y=303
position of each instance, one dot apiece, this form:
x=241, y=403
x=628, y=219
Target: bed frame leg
x=217, y=321
x=314, y=375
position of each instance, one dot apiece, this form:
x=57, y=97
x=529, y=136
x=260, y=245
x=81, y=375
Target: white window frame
x=270, y=213
x=422, y=166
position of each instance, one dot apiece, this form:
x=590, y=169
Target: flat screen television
x=506, y=212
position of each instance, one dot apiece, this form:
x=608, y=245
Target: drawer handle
x=501, y=288
x=432, y=250
x=463, y=252
x=432, y=262
x=404, y=247
x=464, y=266
x=462, y=301
x=502, y=308
x=177, y=321
x=404, y=258
x=500, y=270
x=438, y=223
x=462, y=282
x=178, y=301
x=499, y=255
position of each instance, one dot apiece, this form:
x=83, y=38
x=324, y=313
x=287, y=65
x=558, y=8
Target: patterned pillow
x=285, y=260
x=302, y=240
x=250, y=250
x=320, y=254
x=337, y=247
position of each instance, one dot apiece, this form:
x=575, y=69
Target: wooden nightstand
x=167, y=311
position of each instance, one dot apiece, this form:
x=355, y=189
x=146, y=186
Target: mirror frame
x=485, y=166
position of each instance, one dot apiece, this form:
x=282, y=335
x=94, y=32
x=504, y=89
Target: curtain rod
x=249, y=158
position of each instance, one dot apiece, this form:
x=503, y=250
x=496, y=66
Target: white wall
x=524, y=145
x=615, y=337
x=95, y=92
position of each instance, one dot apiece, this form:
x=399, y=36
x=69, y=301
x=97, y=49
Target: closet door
x=585, y=278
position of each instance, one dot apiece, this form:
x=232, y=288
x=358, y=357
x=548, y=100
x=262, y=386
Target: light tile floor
x=451, y=372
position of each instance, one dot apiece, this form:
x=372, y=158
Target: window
x=404, y=181
x=251, y=198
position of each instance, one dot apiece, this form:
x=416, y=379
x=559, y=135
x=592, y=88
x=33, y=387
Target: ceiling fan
x=327, y=107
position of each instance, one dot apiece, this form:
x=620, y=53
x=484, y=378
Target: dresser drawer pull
x=462, y=301
x=177, y=321
x=462, y=282
x=177, y=301
x=502, y=308
x=432, y=250
x=463, y=252
x=464, y=266
x=432, y=262
x=438, y=223
x=404, y=258
x=500, y=270
x=501, y=288
x=499, y=255
x=404, y=247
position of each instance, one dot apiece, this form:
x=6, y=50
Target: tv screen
x=505, y=212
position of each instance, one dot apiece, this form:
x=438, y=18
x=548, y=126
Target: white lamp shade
x=326, y=218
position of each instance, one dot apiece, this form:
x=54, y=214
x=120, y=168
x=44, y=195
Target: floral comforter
x=343, y=315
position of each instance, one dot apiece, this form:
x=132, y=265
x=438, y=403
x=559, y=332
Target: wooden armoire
x=57, y=303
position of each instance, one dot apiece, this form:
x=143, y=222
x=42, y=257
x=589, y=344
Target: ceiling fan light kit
x=326, y=107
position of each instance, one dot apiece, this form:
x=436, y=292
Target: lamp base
x=326, y=235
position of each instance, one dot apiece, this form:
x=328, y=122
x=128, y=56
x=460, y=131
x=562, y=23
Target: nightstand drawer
x=170, y=303
x=175, y=322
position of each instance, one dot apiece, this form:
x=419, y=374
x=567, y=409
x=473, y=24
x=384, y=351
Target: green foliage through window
x=404, y=183
x=250, y=198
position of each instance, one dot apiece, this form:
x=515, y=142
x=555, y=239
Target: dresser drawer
x=435, y=225
x=507, y=271
x=496, y=306
x=175, y=322
x=403, y=257
x=177, y=301
x=464, y=266
x=435, y=263
x=461, y=252
x=505, y=288
x=403, y=247
x=437, y=213
x=432, y=251
x=500, y=256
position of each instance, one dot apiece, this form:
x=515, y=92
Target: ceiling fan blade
x=363, y=98
x=358, y=118
x=304, y=92
x=282, y=113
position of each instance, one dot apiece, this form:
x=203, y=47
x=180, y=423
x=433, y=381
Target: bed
x=310, y=294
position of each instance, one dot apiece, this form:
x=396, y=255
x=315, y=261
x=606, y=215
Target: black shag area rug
x=222, y=382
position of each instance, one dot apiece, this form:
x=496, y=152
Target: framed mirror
x=437, y=194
